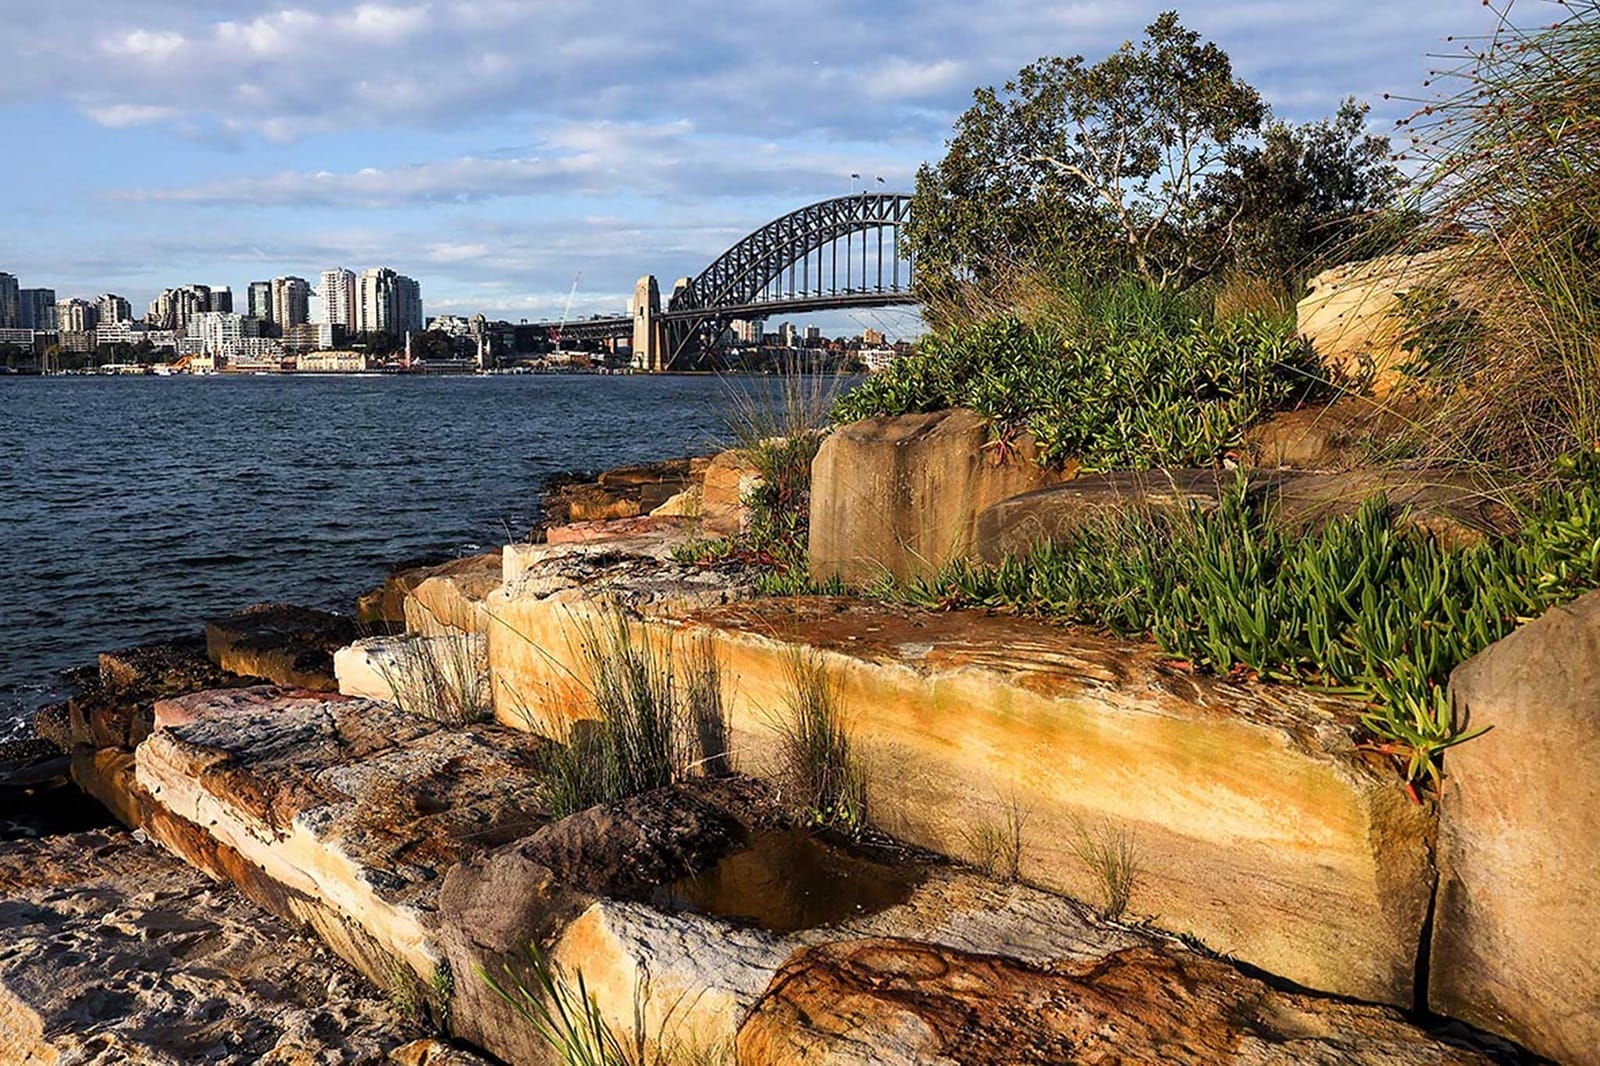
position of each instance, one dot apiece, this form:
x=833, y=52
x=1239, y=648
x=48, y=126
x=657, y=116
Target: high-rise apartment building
x=76, y=315
x=291, y=302
x=10, y=302
x=36, y=309
x=259, y=300
x=388, y=303
x=220, y=332
x=221, y=299
x=174, y=309
x=338, y=291
x=109, y=308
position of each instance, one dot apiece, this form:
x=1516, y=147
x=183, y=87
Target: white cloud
x=671, y=161
x=120, y=116
x=904, y=79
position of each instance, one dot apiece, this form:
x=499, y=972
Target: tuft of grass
x=820, y=765
x=1111, y=854
x=659, y=716
x=997, y=846
x=443, y=678
x=564, y=1014
x=1365, y=604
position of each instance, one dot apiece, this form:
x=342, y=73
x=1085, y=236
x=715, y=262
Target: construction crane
x=566, y=312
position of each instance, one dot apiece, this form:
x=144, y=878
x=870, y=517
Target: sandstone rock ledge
x=116, y=953
x=420, y=854
x=1260, y=826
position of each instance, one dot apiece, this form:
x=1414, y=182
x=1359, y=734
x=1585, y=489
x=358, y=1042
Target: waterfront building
x=338, y=291
x=76, y=315
x=291, y=302
x=16, y=337
x=748, y=330
x=36, y=309
x=109, y=307
x=388, y=302
x=329, y=362
x=10, y=301
x=258, y=301
x=789, y=335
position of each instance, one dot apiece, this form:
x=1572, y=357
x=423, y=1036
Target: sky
x=494, y=150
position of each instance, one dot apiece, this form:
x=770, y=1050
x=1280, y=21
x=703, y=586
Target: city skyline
x=255, y=143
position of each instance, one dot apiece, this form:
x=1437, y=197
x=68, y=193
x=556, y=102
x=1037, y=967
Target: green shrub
x=1136, y=392
x=1364, y=604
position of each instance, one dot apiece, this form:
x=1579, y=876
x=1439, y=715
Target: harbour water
x=131, y=508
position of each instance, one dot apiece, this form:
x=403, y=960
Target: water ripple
x=135, y=507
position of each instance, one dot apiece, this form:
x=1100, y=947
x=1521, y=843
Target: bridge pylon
x=649, y=328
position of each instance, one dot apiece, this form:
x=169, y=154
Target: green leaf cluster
x=1133, y=395
x=1366, y=603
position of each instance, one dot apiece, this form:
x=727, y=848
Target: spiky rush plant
x=820, y=765
x=1507, y=148
x=658, y=717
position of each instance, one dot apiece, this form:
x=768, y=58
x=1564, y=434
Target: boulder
x=623, y=492
x=729, y=479
x=385, y=606
x=1458, y=508
x=116, y=952
x=1324, y=436
x=619, y=531
x=449, y=598
x=1260, y=825
x=115, y=706
x=900, y=1003
x=900, y=496
x=1352, y=314
x=1018, y=524
x=1514, y=945
x=281, y=643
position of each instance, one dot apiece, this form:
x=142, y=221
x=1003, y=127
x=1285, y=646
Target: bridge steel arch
x=732, y=286
x=738, y=276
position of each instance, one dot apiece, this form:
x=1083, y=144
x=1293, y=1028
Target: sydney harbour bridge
x=837, y=254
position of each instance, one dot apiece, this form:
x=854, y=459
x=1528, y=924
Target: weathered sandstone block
x=898, y=1003
x=281, y=643
x=1259, y=825
x=1514, y=934
x=900, y=496
x=348, y=804
x=370, y=667
x=449, y=599
x=1353, y=318
x=115, y=708
x=1459, y=509
x=729, y=479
